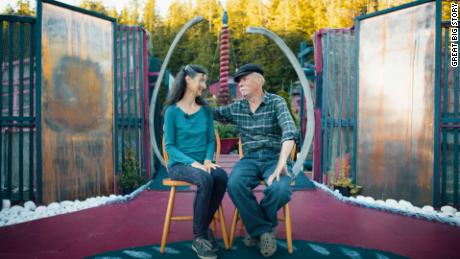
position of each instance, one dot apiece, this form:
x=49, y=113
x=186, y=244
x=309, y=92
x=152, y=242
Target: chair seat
x=169, y=182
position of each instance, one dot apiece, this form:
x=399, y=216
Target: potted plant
x=130, y=178
x=346, y=187
x=228, y=137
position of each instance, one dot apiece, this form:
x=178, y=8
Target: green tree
x=149, y=17
x=134, y=15
x=94, y=5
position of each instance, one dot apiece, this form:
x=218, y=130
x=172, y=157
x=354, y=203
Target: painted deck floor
x=316, y=217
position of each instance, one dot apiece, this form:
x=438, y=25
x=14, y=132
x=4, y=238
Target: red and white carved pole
x=223, y=96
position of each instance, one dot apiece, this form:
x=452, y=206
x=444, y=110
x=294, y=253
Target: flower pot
x=227, y=144
x=344, y=190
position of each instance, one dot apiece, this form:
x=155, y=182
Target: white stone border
x=19, y=214
x=447, y=214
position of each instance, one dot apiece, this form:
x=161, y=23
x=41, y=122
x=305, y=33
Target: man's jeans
x=211, y=190
x=246, y=175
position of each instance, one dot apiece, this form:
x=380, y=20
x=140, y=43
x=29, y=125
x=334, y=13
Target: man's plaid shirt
x=266, y=129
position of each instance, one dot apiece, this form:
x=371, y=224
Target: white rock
x=40, y=209
x=30, y=205
x=405, y=205
x=428, y=209
x=66, y=203
x=448, y=209
x=446, y=214
x=53, y=206
x=392, y=203
x=369, y=199
x=457, y=214
x=6, y=204
x=380, y=202
x=16, y=210
x=360, y=198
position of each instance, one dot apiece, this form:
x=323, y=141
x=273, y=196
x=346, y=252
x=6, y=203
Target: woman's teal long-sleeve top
x=188, y=137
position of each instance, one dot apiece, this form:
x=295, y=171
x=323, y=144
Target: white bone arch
x=291, y=57
x=306, y=89
x=153, y=141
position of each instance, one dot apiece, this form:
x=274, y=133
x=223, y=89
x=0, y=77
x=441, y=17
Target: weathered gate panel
x=77, y=104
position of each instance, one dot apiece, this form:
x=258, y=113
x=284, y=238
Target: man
x=267, y=131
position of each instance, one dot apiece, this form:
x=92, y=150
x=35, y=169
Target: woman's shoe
x=203, y=249
x=213, y=241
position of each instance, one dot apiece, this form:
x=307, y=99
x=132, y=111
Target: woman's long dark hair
x=178, y=89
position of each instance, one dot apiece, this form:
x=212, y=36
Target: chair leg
x=223, y=227
x=233, y=228
x=242, y=229
x=172, y=195
x=287, y=222
x=213, y=223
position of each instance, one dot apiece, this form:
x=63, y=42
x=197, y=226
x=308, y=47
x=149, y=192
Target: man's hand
x=276, y=174
x=200, y=166
x=210, y=165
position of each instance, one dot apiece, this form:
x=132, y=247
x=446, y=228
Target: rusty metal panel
x=396, y=104
x=77, y=105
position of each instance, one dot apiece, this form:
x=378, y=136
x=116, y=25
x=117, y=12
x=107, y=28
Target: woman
x=189, y=141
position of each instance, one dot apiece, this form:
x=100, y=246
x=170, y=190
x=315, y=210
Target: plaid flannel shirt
x=265, y=129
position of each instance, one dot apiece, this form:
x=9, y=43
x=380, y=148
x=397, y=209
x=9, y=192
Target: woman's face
x=197, y=84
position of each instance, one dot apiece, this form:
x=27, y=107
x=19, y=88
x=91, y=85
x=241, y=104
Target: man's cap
x=246, y=70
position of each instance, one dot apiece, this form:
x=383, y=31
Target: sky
x=162, y=5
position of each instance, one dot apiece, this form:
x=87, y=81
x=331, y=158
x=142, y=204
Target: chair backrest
x=216, y=152
x=240, y=150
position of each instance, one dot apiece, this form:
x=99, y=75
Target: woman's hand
x=201, y=167
x=210, y=165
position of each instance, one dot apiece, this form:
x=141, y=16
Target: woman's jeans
x=209, y=195
x=246, y=175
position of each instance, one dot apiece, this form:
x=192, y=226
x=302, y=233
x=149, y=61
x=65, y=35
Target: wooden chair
x=286, y=210
x=219, y=216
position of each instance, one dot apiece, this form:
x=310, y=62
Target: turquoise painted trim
x=80, y=10
x=142, y=112
x=339, y=129
x=325, y=112
x=122, y=85
x=389, y=10
x=1, y=105
x=356, y=98
x=127, y=118
x=15, y=18
x=437, y=104
x=348, y=86
x=10, y=110
x=31, y=110
x=115, y=100
x=456, y=136
x=38, y=98
x=21, y=111
x=333, y=83
x=135, y=53
x=450, y=120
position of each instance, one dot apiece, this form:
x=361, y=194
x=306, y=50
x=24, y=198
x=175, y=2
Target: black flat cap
x=246, y=70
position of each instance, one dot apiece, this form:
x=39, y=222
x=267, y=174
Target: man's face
x=250, y=85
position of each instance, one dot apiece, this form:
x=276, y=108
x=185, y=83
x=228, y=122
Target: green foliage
x=348, y=184
x=286, y=97
x=94, y=5
x=130, y=179
x=23, y=9
x=226, y=130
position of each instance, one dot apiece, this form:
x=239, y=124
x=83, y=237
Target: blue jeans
x=209, y=195
x=246, y=175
